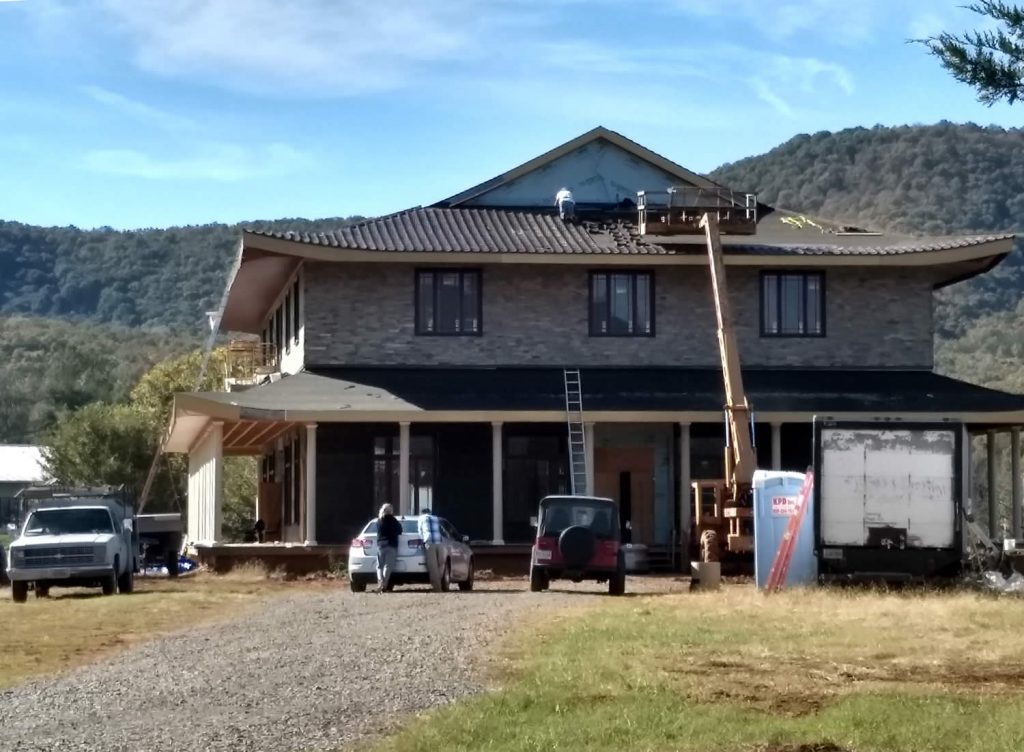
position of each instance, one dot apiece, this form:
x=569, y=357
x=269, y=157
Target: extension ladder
x=577, y=435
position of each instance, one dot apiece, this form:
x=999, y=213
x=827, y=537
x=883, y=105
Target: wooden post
x=311, y=484
x=403, y=469
x=588, y=439
x=497, y=486
x=776, y=446
x=1015, y=514
x=993, y=517
x=685, y=503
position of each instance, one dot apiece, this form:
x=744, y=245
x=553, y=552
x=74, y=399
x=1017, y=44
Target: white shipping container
x=889, y=487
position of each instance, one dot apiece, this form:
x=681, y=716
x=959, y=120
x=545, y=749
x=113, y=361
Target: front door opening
x=626, y=505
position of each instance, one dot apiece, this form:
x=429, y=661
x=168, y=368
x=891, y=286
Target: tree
x=101, y=444
x=154, y=392
x=114, y=444
x=991, y=60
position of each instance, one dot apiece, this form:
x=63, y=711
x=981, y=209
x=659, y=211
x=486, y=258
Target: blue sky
x=151, y=113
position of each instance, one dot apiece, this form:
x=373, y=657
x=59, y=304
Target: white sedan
x=411, y=564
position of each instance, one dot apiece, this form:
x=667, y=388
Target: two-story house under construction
x=420, y=358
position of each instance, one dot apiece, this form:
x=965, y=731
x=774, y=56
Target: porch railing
x=677, y=211
x=248, y=361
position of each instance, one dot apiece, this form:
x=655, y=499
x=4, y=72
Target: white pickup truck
x=74, y=542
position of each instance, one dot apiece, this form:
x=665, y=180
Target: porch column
x=776, y=446
x=311, y=484
x=993, y=517
x=206, y=485
x=1015, y=481
x=497, y=486
x=684, y=487
x=588, y=438
x=403, y=469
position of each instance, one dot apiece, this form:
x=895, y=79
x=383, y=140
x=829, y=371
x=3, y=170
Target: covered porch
x=482, y=446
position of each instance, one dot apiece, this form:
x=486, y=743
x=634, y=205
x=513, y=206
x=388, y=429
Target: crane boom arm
x=740, y=471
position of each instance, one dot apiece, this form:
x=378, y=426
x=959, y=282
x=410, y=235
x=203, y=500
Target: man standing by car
x=430, y=533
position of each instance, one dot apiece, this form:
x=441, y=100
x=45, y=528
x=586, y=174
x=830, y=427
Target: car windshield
x=556, y=516
x=408, y=526
x=68, y=522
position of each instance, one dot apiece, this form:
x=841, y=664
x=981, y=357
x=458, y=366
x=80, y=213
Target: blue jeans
x=386, y=557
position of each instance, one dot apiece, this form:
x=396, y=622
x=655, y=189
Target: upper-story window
x=792, y=304
x=286, y=313
x=295, y=311
x=621, y=304
x=448, y=302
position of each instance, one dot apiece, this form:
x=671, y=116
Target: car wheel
x=467, y=584
x=538, y=580
x=357, y=584
x=109, y=583
x=617, y=582
x=446, y=577
x=126, y=582
x=42, y=591
x=172, y=563
x=19, y=591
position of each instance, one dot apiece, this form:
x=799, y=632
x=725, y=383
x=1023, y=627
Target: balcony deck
x=679, y=211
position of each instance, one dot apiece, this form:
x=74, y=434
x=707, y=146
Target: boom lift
x=722, y=508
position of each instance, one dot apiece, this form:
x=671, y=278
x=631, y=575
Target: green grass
x=741, y=671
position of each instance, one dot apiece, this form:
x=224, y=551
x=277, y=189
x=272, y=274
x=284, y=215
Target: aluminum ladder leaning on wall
x=577, y=436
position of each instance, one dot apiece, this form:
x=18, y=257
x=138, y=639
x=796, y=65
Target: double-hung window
x=792, y=304
x=621, y=304
x=448, y=301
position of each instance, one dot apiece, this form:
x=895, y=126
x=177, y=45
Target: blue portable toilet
x=775, y=497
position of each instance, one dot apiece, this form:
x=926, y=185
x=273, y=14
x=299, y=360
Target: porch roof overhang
x=533, y=394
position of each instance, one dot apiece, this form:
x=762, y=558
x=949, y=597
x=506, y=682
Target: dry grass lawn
x=75, y=626
x=738, y=670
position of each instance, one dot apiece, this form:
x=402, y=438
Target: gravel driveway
x=307, y=671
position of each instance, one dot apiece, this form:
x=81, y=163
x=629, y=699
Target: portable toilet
x=775, y=501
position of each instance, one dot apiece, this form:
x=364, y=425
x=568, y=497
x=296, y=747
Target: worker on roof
x=565, y=203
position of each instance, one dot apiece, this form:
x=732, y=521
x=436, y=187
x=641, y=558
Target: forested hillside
x=49, y=367
x=934, y=180
x=148, y=278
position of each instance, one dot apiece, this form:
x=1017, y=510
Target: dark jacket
x=388, y=530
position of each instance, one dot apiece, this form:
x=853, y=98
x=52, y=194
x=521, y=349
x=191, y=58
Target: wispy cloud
x=846, y=22
x=926, y=25
x=766, y=94
x=303, y=46
x=219, y=162
x=137, y=110
x=657, y=75
x=930, y=21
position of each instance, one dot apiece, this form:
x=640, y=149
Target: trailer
x=888, y=499
x=160, y=541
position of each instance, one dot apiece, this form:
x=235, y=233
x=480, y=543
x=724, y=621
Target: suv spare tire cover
x=576, y=545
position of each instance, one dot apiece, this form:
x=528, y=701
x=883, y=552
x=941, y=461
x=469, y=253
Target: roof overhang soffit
x=257, y=284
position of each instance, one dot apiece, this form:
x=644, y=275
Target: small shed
x=21, y=466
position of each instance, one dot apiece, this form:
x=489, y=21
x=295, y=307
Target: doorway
x=627, y=475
